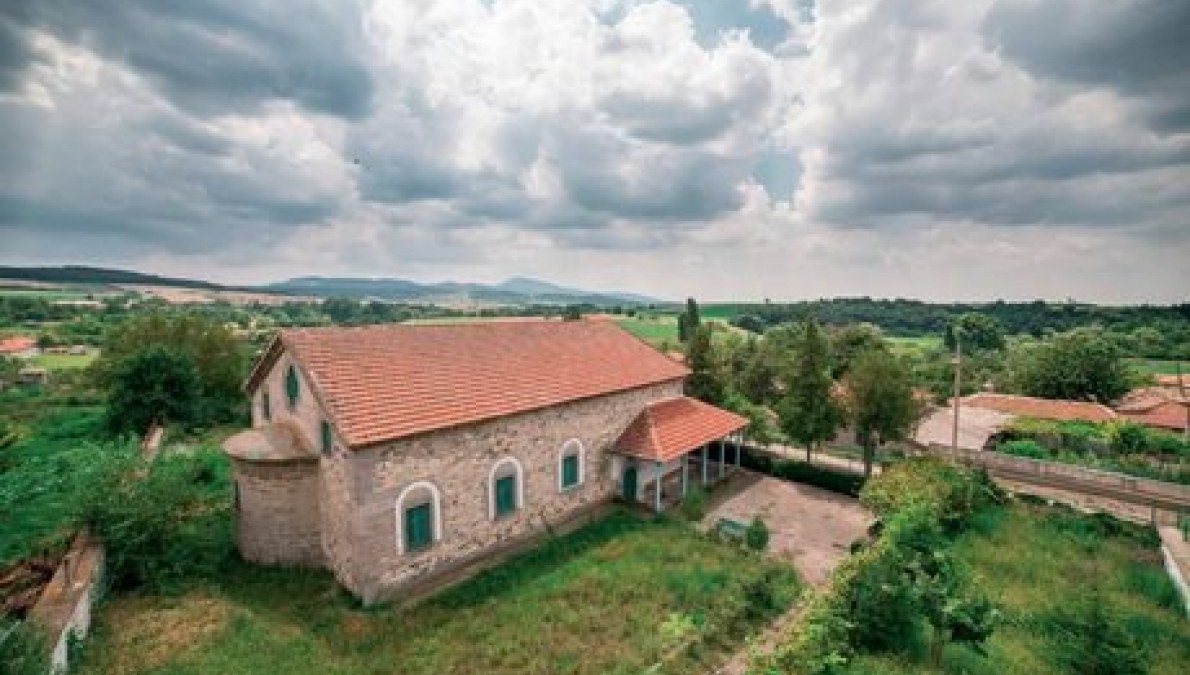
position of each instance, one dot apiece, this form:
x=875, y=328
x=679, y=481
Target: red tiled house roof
x=380, y=383
x=1041, y=408
x=1165, y=415
x=17, y=344
x=668, y=429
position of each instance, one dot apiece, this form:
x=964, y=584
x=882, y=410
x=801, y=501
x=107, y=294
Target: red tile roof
x=384, y=382
x=1166, y=415
x=1172, y=381
x=17, y=344
x=1041, y=408
x=668, y=429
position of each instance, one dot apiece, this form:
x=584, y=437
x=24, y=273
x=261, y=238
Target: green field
x=921, y=343
x=653, y=329
x=63, y=361
x=1038, y=563
x=606, y=599
x=1156, y=367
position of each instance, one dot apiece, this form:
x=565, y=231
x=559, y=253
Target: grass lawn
x=1157, y=367
x=63, y=361
x=601, y=600
x=1036, y=562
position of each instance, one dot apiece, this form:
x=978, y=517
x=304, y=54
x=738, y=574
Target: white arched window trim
x=520, y=484
x=435, y=505
x=572, y=447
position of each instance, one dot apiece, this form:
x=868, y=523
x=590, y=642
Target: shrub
x=1126, y=437
x=694, y=505
x=949, y=492
x=172, y=523
x=1092, y=643
x=756, y=537
x=1022, y=448
x=836, y=481
x=23, y=650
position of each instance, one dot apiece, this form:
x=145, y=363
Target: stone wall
x=64, y=608
x=459, y=462
x=278, y=519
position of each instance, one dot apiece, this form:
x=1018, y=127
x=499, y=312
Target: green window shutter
x=328, y=440
x=292, y=387
x=569, y=471
x=419, y=528
x=505, y=495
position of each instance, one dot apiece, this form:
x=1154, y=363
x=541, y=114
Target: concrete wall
x=459, y=463
x=64, y=608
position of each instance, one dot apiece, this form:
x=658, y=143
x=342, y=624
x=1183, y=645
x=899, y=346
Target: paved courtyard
x=812, y=528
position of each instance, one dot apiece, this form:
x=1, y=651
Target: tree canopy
x=880, y=401
x=1084, y=364
x=976, y=331
x=809, y=415
x=157, y=383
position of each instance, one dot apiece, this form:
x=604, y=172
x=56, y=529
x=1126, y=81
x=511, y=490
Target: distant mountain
x=514, y=291
x=79, y=274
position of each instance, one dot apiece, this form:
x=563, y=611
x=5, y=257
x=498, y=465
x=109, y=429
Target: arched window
x=506, y=488
x=293, y=387
x=328, y=439
x=571, y=465
x=419, y=517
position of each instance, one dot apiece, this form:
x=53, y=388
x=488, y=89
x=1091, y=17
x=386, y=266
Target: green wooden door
x=505, y=495
x=629, y=483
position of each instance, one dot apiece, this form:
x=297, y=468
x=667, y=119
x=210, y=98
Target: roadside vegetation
x=622, y=595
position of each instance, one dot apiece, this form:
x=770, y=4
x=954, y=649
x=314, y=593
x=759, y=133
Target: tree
x=155, y=384
x=848, y=342
x=1081, y=365
x=572, y=313
x=880, y=401
x=954, y=608
x=978, y=332
x=703, y=383
x=210, y=345
x=809, y=415
x=689, y=321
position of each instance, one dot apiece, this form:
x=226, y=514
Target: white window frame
x=435, y=504
x=575, y=447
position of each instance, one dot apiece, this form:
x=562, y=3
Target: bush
x=756, y=537
x=1092, y=643
x=836, y=481
x=950, y=493
x=1022, y=448
x=23, y=650
x=1127, y=437
x=168, y=525
x=694, y=505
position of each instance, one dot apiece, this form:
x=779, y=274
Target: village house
x=398, y=455
x=19, y=347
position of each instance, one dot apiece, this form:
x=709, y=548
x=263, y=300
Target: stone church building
x=398, y=455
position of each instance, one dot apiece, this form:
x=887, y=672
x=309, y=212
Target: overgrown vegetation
x=1118, y=445
x=618, y=596
x=906, y=588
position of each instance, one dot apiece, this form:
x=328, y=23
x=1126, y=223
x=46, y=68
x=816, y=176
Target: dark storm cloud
x=1139, y=48
x=210, y=56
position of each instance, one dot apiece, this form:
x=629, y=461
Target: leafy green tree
x=954, y=608
x=761, y=424
x=978, y=332
x=1094, y=643
x=209, y=344
x=154, y=384
x=809, y=414
x=689, y=321
x=703, y=382
x=880, y=401
x=1082, y=365
x=848, y=342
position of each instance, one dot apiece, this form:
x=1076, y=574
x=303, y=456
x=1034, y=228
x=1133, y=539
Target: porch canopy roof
x=666, y=430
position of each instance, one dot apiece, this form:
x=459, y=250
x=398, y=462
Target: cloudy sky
x=720, y=148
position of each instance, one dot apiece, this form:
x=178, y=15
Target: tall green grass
x=618, y=596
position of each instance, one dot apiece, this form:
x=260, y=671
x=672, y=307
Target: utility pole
x=958, y=376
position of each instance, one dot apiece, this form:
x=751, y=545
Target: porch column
x=657, y=495
x=704, y=464
x=739, y=448
x=722, y=457
x=684, y=472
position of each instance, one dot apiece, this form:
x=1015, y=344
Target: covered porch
x=674, y=446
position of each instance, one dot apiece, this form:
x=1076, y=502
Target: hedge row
x=802, y=472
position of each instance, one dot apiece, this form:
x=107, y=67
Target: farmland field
x=920, y=343
x=653, y=329
x=613, y=597
x=1157, y=367
x=63, y=361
